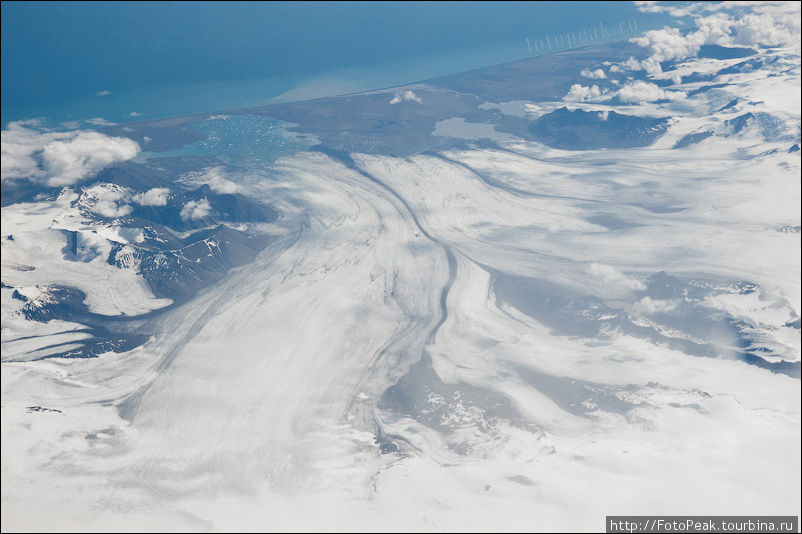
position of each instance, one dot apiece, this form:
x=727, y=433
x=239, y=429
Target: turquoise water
x=131, y=61
x=242, y=139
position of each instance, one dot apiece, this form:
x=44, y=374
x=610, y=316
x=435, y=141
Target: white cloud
x=406, y=96
x=649, y=306
x=87, y=153
x=640, y=91
x=767, y=29
x=59, y=158
x=597, y=74
x=670, y=43
x=631, y=64
x=107, y=200
x=37, y=122
x=153, y=197
x=214, y=177
x=193, y=210
x=611, y=276
x=673, y=10
x=103, y=93
x=134, y=114
x=99, y=121
x=753, y=25
x=108, y=207
x=71, y=125
x=222, y=186
x=580, y=93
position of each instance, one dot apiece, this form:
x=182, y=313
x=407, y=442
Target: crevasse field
x=522, y=297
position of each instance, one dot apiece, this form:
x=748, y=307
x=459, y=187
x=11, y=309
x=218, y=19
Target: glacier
x=491, y=304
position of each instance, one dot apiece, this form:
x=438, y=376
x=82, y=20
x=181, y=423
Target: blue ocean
x=132, y=61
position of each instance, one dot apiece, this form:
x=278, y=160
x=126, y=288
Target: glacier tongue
x=487, y=328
